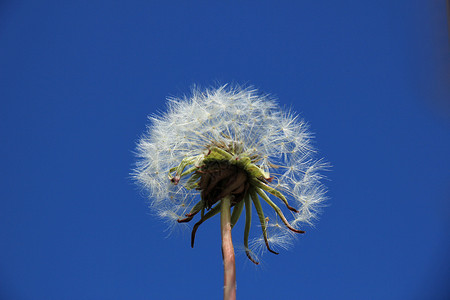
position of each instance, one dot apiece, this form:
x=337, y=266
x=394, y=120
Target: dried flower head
x=232, y=142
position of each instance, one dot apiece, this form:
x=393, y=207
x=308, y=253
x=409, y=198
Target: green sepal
x=274, y=192
x=237, y=211
x=277, y=210
x=262, y=218
x=214, y=211
x=248, y=222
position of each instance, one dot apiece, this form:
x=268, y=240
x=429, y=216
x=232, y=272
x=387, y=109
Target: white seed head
x=252, y=122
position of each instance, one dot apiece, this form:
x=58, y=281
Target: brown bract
x=219, y=179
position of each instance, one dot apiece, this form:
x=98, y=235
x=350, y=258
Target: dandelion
x=229, y=148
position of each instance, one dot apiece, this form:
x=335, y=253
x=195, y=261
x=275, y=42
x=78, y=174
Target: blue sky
x=78, y=79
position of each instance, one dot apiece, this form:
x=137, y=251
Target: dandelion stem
x=229, y=265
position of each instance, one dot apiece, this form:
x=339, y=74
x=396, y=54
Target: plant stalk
x=229, y=265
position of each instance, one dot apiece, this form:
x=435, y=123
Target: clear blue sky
x=78, y=79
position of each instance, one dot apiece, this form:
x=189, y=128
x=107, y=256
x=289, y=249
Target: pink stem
x=229, y=265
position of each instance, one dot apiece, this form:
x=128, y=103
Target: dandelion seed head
x=246, y=124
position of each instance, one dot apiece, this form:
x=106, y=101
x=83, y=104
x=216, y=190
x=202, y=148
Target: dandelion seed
x=229, y=148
